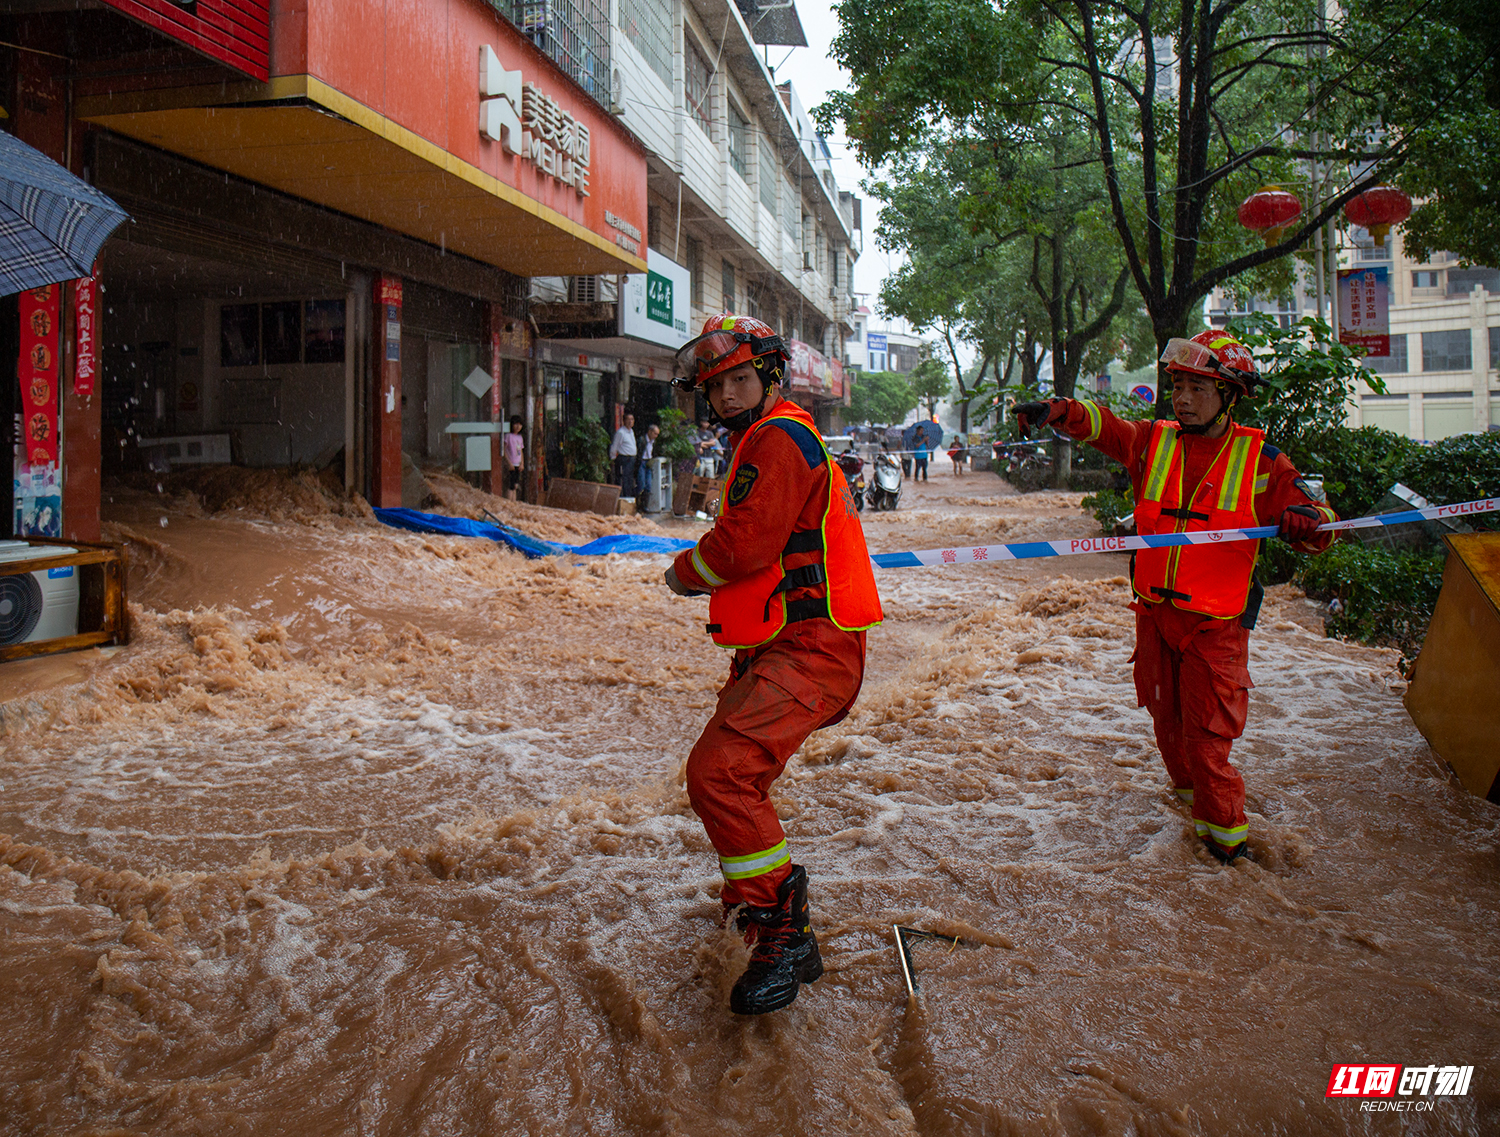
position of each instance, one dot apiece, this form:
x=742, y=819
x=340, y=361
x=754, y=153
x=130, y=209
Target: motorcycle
x=886, y=492
x=854, y=473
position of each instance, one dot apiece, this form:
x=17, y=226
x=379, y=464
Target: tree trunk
x=1062, y=464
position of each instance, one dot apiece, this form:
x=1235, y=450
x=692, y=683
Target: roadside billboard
x=656, y=305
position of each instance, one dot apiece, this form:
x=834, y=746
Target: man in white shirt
x=623, y=452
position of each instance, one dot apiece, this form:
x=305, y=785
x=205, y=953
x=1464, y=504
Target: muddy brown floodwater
x=382, y=834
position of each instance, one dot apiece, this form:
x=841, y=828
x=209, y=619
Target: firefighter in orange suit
x=792, y=593
x=1195, y=604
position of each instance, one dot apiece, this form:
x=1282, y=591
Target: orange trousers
x=777, y=694
x=1191, y=674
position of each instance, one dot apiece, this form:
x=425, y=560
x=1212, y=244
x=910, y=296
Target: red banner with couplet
x=86, y=320
x=38, y=370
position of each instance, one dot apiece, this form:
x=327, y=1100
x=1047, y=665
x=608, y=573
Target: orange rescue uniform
x=792, y=592
x=1195, y=604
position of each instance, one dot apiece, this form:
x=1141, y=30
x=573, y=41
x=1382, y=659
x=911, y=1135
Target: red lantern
x=1270, y=211
x=1377, y=209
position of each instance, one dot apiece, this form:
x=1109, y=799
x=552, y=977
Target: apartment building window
x=647, y=24
x=698, y=86
x=793, y=219
x=770, y=177
x=728, y=283
x=1365, y=248
x=1393, y=364
x=695, y=268
x=739, y=127
x=1450, y=350
x=1425, y=278
x=833, y=266
x=1494, y=349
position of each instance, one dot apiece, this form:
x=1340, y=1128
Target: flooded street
x=369, y=832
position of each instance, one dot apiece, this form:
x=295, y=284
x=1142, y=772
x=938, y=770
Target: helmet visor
x=1193, y=356
x=702, y=355
x=1196, y=357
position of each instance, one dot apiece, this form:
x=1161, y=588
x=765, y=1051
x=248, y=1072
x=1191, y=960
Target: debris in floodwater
x=908, y=965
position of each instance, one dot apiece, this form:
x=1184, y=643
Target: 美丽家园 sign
x=654, y=305
x=526, y=120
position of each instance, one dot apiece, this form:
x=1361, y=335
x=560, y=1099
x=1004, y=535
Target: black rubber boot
x=784, y=951
x=1228, y=856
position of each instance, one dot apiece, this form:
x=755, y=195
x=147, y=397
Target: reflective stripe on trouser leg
x=1184, y=794
x=755, y=864
x=1224, y=838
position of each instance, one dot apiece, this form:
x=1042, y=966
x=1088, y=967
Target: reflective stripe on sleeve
x=755, y=864
x=1096, y=420
x=704, y=571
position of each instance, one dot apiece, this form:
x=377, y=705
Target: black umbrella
x=51, y=223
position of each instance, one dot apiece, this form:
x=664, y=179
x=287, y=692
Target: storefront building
x=334, y=209
x=743, y=214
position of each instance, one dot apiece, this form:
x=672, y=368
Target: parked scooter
x=854, y=473
x=886, y=492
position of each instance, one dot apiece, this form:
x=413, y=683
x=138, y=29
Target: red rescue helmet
x=1217, y=355
x=729, y=341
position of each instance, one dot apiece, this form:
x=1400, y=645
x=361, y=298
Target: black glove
x=1299, y=523
x=1029, y=415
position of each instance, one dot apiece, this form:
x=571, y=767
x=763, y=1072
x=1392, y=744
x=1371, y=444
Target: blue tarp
x=533, y=547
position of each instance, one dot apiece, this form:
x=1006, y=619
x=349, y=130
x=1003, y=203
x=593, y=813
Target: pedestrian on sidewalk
x=513, y=457
x=919, y=457
x=623, y=452
x=1196, y=604
x=792, y=592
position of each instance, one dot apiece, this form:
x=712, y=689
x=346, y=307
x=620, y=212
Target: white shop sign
x=656, y=305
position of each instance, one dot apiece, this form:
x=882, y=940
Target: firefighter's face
x=1195, y=398
x=733, y=391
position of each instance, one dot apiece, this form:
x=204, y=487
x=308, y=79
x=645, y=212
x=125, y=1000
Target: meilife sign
x=655, y=306
x=525, y=120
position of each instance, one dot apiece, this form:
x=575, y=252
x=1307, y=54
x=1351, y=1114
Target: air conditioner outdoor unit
x=41, y=605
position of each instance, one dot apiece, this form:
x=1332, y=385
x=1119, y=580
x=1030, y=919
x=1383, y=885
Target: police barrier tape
x=1028, y=550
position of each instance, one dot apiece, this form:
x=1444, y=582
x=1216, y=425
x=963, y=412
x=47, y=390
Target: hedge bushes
x=1376, y=595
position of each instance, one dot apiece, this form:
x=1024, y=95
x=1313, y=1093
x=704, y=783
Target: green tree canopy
x=880, y=397
x=1180, y=111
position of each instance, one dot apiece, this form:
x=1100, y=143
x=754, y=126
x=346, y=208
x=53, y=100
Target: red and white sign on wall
x=811, y=370
x=37, y=369
x=1364, y=309
x=86, y=318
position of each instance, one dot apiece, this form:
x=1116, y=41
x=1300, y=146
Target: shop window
x=770, y=176
x=1392, y=364
x=239, y=335
x=698, y=86
x=1450, y=350
x=739, y=129
x=323, y=331
x=647, y=24
x=281, y=332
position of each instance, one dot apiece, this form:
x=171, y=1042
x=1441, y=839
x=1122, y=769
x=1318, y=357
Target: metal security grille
x=647, y=24
x=698, y=86
x=574, y=34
